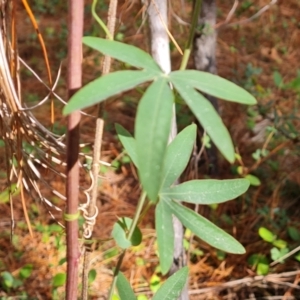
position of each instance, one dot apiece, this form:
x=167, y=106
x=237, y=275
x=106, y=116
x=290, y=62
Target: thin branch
x=90, y=217
x=232, y=11
x=275, y=262
x=247, y=281
x=248, y=20
x=75, y=26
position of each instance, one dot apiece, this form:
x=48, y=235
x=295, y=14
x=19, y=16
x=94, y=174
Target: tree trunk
x=205, y=60
x=157, y=12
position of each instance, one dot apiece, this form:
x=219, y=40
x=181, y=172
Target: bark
x=160, y=49
x=204, y=53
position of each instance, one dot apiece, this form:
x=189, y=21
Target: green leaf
x=124, y=289
x=178, y=155
x=276, y=254
x=253, y=260
x=204, y=229
x=62, y=261
x=209, y=119
x=253, y=180
x=262, y=268
x=26, y=271
x=104, y=87
x=13, y=190
x=155, y=283
x=92, y=275
x=128, y=142
x=277, y=79
x=59, y=279
x=294, y=233
x=281, y=244
x=111, y=253
x=120, y=231
x=165, y=236
x=152, y=128
x=7, y=279
x=172, y=288
x=126, y=53
x=266, y=235
x=207, y=191
x=297, y=256
x=213, y=85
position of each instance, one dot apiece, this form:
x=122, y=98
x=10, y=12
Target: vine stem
x=188, y=47
x=100, y=22
x=129, y=236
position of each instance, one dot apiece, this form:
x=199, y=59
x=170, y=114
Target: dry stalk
x=92, y=208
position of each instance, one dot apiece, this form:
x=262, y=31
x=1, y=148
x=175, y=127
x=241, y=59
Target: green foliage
x=8, y=281
x=92, y=275
x=117, y=82
x=155, y=283
x=123, y=52
x=207, y=191
x=106, y=86
x=159, y=164
x=280, y=247
x=253, y=180
x=260, y=263
x=152, y=127
x=165, y=236
x=12, y=191
x=294, y=233
x=266, y=235
x=120, y=231
x=59, y=280
x=124, y=288
x=204, y=229
x=26, y=271
x=178, y=155
x=212, y=85
x=128, y=142
x=171, y=289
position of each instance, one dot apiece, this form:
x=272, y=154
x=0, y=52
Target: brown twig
x=248, y=281
x=248, y=20
x=274, y=151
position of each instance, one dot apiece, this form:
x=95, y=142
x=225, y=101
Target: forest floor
x=262, y=56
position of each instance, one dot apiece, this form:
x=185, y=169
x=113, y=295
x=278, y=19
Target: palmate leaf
x=207, y=191
x=128, y=142
x=165, y=236
x=208, y=117
x=178, y=155
x=172, y=288
x=204, y=229
x=152, y=128
x=124, y=289
x=213, y=85
x=104, y=87
x=126, y=53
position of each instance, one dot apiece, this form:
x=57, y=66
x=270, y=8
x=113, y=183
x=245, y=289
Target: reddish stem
x=75, y=26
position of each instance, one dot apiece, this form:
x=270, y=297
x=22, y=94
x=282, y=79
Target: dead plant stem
x=98, y=143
